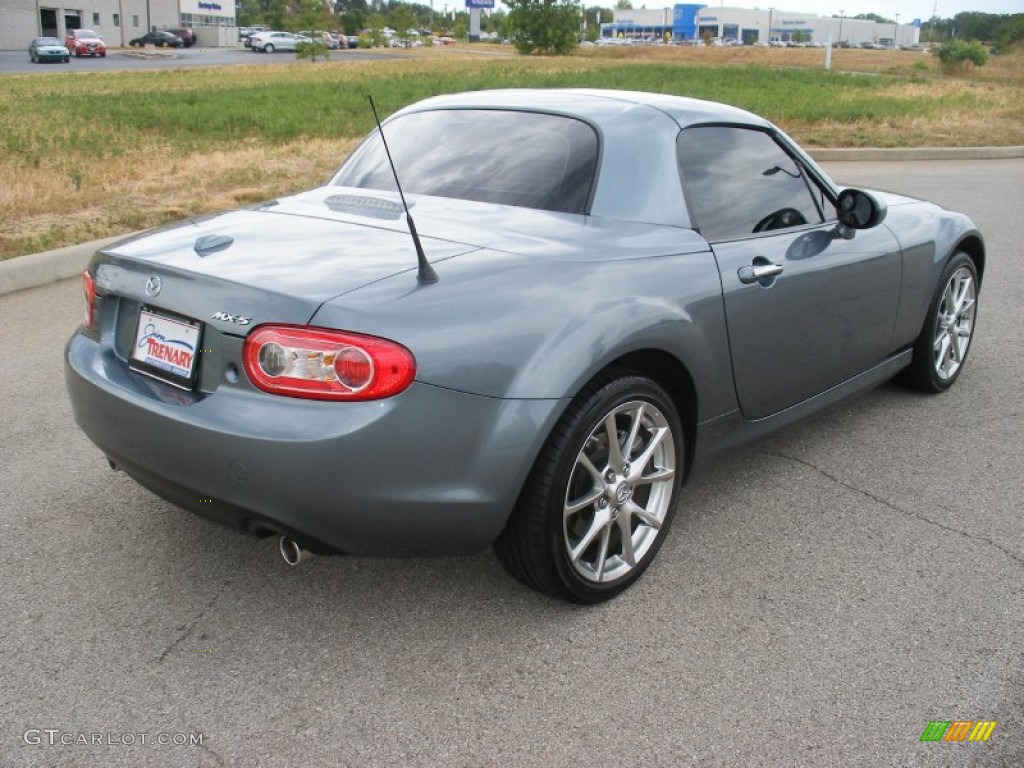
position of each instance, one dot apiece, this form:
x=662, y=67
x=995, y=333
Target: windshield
x=527, y=159
x=85, y=33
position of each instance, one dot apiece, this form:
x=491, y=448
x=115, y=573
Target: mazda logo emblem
x=153, y=286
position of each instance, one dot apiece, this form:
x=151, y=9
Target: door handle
x=755, y=273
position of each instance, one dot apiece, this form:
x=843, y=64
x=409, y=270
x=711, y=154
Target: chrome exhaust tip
x=292, y=553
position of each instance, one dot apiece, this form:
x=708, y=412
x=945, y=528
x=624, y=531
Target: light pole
x=896, y=31
x=770, y=9
x=840, y=40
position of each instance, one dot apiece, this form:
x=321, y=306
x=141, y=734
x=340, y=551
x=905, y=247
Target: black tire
x=545, y=530
x=936, y=367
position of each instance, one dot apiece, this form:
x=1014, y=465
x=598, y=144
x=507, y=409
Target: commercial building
x=116, y=21
x=693, y=22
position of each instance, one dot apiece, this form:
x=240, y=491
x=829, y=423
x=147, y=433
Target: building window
x=117, y=20
x=135, y=21
x=95, y=19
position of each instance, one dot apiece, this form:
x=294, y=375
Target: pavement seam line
x=1019, y=559
x=191, y=627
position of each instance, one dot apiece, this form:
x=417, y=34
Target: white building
x=116, y=21
x=694, y=22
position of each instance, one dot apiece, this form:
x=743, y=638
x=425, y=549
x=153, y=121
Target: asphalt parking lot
x=12, y=62
x=824, y=594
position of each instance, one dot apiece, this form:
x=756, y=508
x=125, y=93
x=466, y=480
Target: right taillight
x=89, y=295
x=321, y=364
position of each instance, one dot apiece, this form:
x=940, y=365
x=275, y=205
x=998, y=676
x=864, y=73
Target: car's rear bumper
x=430, y=471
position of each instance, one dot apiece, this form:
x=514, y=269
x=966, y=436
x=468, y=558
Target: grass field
x=90, y=154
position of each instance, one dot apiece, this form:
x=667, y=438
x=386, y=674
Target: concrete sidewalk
x=23, y=272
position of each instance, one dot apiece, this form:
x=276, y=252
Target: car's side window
x=739, y=182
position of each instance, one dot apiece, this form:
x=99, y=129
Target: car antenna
x=426, y=272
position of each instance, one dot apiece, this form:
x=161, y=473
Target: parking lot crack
x=189, y=628
x=1016, y=557
x=210, y=751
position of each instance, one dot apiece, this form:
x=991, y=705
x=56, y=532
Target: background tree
x=976, y=26
x=276, y=15
x=1010, y=33
x=873, y=17
x=351, y=15
x=955, y=55
x=592, y=22
x=402, y=20
x=312, y=16
x=543, y=26
x=375, y=31
x=494, y=22
x=248, y=12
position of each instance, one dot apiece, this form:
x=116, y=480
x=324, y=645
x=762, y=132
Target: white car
x=270, y=41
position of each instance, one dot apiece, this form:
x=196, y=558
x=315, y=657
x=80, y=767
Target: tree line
x=558, y=26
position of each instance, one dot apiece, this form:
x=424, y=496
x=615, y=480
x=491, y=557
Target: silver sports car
x=591, y=292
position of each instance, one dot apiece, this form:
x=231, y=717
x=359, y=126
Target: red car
x=85, y=42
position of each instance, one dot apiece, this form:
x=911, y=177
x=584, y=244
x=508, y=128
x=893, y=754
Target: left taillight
x=89, y=295
x=320, y=364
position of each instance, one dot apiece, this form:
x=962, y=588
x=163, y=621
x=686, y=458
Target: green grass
x=108, y=115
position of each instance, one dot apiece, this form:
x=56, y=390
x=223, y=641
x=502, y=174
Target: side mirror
x=856, y=209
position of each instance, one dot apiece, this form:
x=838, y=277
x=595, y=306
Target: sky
x=907, y=9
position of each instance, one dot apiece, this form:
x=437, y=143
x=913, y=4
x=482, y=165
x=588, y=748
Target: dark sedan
x=601, y=290
x=159, y=38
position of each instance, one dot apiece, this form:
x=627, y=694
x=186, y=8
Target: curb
x=24, y=272
x=915, y=153
x=37, y=269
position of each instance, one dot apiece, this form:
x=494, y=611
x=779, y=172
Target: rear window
x=527, y=159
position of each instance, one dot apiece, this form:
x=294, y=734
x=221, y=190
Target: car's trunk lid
x=260, y=265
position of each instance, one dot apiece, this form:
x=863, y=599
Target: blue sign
x=211, y=6
x=479, y=3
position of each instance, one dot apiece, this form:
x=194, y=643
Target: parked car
x=328, y=40
x=352, y=41
x=85, y=42
x=270, y=41
x=575, y=328
x=188, y=36
x=161, y=38
x=245, y=34
x=48, y=49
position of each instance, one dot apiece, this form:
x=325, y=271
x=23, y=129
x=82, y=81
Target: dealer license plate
x=166, y=347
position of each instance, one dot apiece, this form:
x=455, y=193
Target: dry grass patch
x=45, y=211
